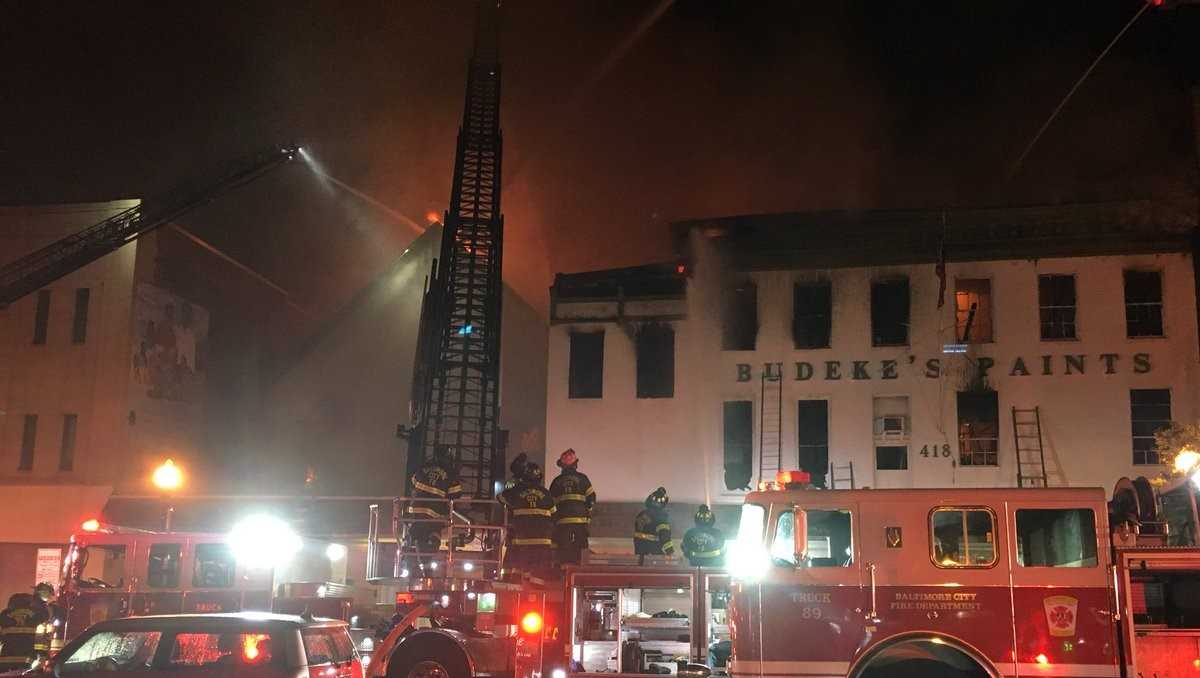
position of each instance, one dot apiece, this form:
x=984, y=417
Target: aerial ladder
x=60, y=258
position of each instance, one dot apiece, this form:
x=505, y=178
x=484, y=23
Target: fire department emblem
x=1061, y=612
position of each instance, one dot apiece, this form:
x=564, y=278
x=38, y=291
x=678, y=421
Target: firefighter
x=436, y=481
x=652, y=528
x=704, y=545
x=573, y=499
x=517, y=469
x=531, y=524
x=48, y=612
x=18, y=631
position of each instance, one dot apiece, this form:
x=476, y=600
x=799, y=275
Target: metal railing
x=456, y=529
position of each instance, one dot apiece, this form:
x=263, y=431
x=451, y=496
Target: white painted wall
x=629, y=446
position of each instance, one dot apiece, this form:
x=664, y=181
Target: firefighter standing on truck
x=436, y=482
x=531, y=524
x=652, y=528
x=574, y=498
x=704, y=545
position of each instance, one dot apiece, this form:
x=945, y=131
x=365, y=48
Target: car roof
x=236, y=619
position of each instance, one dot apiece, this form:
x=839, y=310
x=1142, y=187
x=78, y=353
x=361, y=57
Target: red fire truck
x=862, y=583
x=115, y=572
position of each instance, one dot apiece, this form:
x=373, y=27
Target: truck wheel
x=437, y=664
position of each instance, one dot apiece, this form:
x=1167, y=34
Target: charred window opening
x=889, y=312
x=973, y=310
x=812, y=437
x=83, y=298
x=739, y=444
x=1143, y=304
x=1056, y=306
x=41, y=317
x=978, y=428
x=656, y=362
x=739, y=326
x=812, y=314
x=1149, y=412
x=586, y=370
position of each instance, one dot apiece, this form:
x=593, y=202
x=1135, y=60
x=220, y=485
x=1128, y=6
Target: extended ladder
x=841, y=476
x=1027, y=440
x=770, y=422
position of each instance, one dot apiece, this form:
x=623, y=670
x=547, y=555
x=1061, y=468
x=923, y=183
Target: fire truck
x=117, y=572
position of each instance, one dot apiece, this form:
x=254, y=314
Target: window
x=829, y=538
x=79, y=325
x=963, y=537
x=1056, y=306
x=656, y=362
x=101, y=563
x=1149, y=411
x=327, y=645
x=891, y=433
x=193, y=650
x=1164, y=599
x=66, y=454
x=889, y=312
x=739, y=444
x=739, y=326
x=973, y=310
x=586, y=371
x=812, y=314
x=812, y=437
x=112, y=651
x=214, y=566
x=1056, y=538
x=163, y=569
x=41, y=317
x=1143, y=304
x=28, y=443
x=978, y=428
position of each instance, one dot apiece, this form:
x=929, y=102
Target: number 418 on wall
x=934, y=451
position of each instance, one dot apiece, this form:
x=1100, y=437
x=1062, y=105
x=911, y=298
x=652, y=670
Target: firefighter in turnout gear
x=704, y=545
x=517, y=469
x=652, y=528
x=18, y=631
x=530, y=523
x=436, y=482
x=574, y=498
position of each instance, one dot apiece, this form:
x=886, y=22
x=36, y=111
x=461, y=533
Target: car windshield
x=113, y=651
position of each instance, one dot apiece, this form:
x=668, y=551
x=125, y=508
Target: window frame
x=812, y=284
x=79, y=320
x=1162, y=298
x=645, y=391
x=902, y=446
x=1016, y=539
x=733, y=317
x=70, y=436
x=958, y=435
x=1133, y=437
x=1054, y=307
x=990, y=315
x=177, y=552
x=41, y=318
x=907, y=323
x=962, y=509
x=197, y=569
x=726, y=407
x=574, y=393
x=28, y=451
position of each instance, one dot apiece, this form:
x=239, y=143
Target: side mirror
x=800, y=535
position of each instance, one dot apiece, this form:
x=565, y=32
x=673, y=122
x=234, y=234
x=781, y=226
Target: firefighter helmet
x=568, y=459
x=44, y=590
x=441, y=455
x=657, y=498
x=517, y=467
x=704, y=516
x=533, y=473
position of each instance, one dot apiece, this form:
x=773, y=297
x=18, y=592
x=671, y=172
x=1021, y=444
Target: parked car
x=250, y=644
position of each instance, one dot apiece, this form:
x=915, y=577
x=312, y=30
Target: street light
x=169, y=478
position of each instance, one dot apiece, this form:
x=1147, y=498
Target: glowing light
x=531, y=623
x=90, y=525
x=558, y=673
x=404, y=572
x=322, y=590
x=1186, y=460
x=250, y=649
x=937, y=641
x=470, y=595
x=468, y=566
x=263, y=542
x=168, y=477
x=432, y=217
x=466, y=329
x=335, y=552
x=1042, y=659
x=445, y=600
x=433, y=566
x=678, y=590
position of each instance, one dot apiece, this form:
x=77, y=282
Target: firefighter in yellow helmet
x=652, y=528
x=704, y=545
x=531, y=524
x=574, y=499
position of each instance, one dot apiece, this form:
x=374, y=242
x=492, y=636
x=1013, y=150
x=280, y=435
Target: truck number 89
x=810, y=613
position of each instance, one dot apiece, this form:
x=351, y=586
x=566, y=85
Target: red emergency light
x=786, y=479
x=531, y=623
x=90, y=525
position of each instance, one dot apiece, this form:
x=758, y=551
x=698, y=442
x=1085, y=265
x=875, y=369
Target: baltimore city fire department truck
x=863, y=583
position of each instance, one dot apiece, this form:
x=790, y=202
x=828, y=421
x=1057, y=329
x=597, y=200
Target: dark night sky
x=718, y=107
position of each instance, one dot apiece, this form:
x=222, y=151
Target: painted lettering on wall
x=866, y=370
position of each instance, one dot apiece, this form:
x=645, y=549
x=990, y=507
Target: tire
x=439, y=659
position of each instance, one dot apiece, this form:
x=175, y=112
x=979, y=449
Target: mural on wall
x=170, y=339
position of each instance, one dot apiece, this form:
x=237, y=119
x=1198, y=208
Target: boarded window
x=162, y=571
x=1143, y=304
x=41, y=317
x=889, y=312
x=963, y=537
x=1056, y=306
x=28, y=443
x=978, y=428
x=1056, y=538
x=812, y=314
x=739, y=319
x=586, y=371
x=739, y=444
x=66, y=453
x=812, y=437
x=79, y=324
x=656, y=362
x=1149, y=412
x=973, y=310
